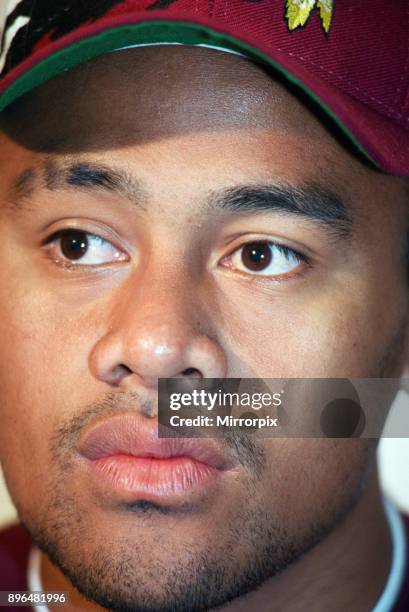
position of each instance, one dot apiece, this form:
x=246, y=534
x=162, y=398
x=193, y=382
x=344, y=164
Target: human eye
x=76, y=248
x=266, y=259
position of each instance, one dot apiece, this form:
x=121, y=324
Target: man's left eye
x=79, y=247
x=264, y=258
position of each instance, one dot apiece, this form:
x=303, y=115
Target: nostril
x=192, y=373
x=117, y=374
x=121, y=371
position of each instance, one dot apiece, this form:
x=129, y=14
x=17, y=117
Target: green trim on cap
x=145, y=33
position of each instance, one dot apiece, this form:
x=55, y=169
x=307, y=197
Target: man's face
x=184, y=215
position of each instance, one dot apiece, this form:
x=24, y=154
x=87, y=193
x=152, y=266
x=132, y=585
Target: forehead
x=178, y=99
x=137, y=95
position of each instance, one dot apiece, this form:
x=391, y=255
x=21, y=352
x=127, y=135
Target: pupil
x=257, y=256
x=74, y=244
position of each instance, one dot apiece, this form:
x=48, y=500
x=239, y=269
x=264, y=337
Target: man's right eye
x=81, y=248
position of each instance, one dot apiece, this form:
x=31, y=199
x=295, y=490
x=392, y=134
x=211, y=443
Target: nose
x=156, y=330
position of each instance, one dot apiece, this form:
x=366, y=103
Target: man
x=180, y=211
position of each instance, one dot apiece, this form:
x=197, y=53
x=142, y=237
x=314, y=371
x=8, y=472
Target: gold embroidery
x=298, y=12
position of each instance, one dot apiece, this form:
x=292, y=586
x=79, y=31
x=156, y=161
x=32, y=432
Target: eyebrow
x=310, y=201
x=77, y=175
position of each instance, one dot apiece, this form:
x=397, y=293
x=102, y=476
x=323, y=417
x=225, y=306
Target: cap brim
x=374, y=136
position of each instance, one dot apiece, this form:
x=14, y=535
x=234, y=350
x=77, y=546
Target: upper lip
x=132, y=434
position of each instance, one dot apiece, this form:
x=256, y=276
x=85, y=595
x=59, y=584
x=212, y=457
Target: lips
x=125, y=457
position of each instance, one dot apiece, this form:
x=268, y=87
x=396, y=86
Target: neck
x=347, y=570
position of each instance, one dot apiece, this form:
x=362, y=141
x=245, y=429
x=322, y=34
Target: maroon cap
x=349, y=56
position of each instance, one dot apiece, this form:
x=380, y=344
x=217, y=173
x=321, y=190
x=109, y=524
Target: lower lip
x=151, y=477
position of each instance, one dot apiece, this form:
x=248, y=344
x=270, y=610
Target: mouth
x=125, y=458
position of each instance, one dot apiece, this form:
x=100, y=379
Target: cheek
x=310, y=481
x=318, y=333
x=41, y=354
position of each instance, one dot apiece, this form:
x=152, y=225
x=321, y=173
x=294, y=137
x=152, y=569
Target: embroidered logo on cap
x=298, y=12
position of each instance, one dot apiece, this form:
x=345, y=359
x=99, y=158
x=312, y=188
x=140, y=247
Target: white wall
x=393, y=453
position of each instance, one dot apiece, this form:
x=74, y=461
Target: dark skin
x=170, y=293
